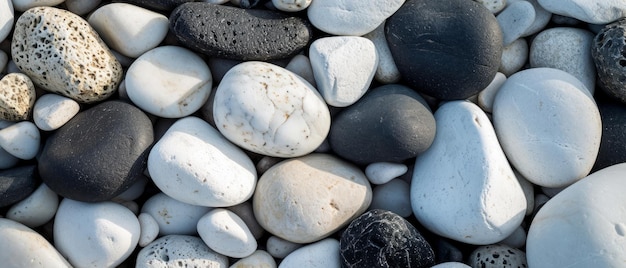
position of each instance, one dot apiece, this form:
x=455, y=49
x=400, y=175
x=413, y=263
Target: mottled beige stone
x=17, y=97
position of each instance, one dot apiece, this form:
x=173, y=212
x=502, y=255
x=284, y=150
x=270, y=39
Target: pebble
x=4, y=59
x=587, y=10
x=17, y=97
x=451, y=265
x=76, y=161
x=169, y=81
x=301, y=65
x=81, y=7
x=497, y=256
x=179, y=251
x=259, y=259
x=23, y=5
x=194, y=164
x=514, y=57
x=352, y=18
x=36, y=209
x=24, y=247
x=68, y=57
x=342, y=194
x=516, y=240
x=380, y=238
x=393, y=196
x=612, y=145
x=514, y=20
x=246, y=213
x=494, y=6
x=100, y=234
x=234, y=33
x=173, y=216
x=280, y=248
x=226, y=233
x=466, y=162
x=129, y=29
x=21, y=140
x=542, y=17
x=52, y=111
x=487, y=95
x=529, y=192
x=383, y=172
x=567, y=49
x=428, y=54
x=445, y=251
x=609, y=60
x=134, y=191
x=344, y=67
x=6, y=20
x=7, y=160
x=587, y=214
x=16, y=184
x=321, y=254
x=387, y=72
x=389, y=133
x=525, y=112
x=269, y=110
x=149, y=229
x=291, y=5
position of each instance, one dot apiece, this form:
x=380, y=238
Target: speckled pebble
x=607, y=52
x=173, y=216
x=36, y=209
x=52, y=111
x=497, y=256
x=495, y=6
x=226, y=233
x=181, y=251
x=17, y=97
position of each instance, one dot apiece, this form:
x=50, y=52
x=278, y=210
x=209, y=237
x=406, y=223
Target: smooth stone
x=514, y=57
x=381, y=238
x=355, y=18
x=321, y=254
x=149, y=229
x=258, y=259
x=551, y=192
x=81, y=7
x=69, y=58
x=291, y=5
x=217, y=2
x=246, y=213
x=494, y=6
x=383, y=172
x=515, y=20
x=301, y=65
x=23, y=5
x=226, y=233
x=424, y=41
x=129, y=29
x=497, y=255
x=466, y=162
x=240, y=34
x=52, y=111
x=451, y=265
x=7, y=18
x=542, y=17
x=285, y=205
x=567, y=49
x=98, y=154
x=607, y=52
x=169, y=81
x=134, y=191
x=344, y=67
x=529, y=192
x=7, y=160
x=36, y=209
x=4, y=58
x=280, y=248
x=23, y=247
x=564, y=20
x=158, y=5
x=394, y=196
x=17, y=97
x=596, y=12
x=173, y=216
x=516, y=240
x=16, y=184
x=179, y=251
x=587, y=214
x=399, y=128
x=445, y=251
x=21, y=140
x=487, y=95
x=269, y=110
x=526, y=112
x=613, y=141
x=100, y=234
x=208, y=169
x=387, y=72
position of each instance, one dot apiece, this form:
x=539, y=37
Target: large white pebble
x=344, y=67
x=37, y=209
x=321, y=254
x=195, y=164
x=52, y=111
x=95, y=234
x=582, y=226
x=383, y=172
x=463, y=188
x=173, y=216
x=348, y=17
x=21, y=140
x=23, y=247
x=387, y=72
x=149, y=229
x=225, y=233
x=169, y=81
x=280, y=248
x=179, y=251
x=129, y=29
x=549, y=126
x=6, y=22
x=269, y=110
x=393, y=196
x=258, y=259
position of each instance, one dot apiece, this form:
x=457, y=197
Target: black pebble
x=445, y=49
x=381, y=238
x=99, y=153
x=609, y=55
x=16, y=184
x=613, y=142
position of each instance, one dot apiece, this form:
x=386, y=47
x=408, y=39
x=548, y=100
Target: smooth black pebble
x=16, y=184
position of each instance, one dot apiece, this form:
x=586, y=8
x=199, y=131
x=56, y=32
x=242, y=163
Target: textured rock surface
x=345, y=17
x=596, y=12
x=16, y=184
x=23, y=247
x=496, y=256
x=17, y=97
x=181, y=251
x=609, y=59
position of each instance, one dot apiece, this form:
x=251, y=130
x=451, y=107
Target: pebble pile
x=312, y=133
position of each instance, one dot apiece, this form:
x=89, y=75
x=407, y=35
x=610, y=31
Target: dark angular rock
x=16, y=184
x=390, y=123
x=381, y=238
x=609, y=55
x=157, y=5
x=239, y=34
x=445, y=49
x=99, y=153
x=613, y=142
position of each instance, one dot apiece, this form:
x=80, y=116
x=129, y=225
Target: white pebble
x=81, y=7
x=514, y=20
x=487, y=95
x=321, y=254
x=291, y=5
x=516, y=240
x=258, y=259
x=394, y=196
x=149, y=229
x=179, y=251
x=280, y=248
x=23, y=5
x=346, y=17
x=387, y=72
x=4, y=59
x=383, y=172
x=226, y=233
x=37, y=209
x=6, y=22
x=246, y=213
x=514, y=56
x=134, y=191
x=542, y=17
x=529, y=192
x=590, y=11
x=21, y=140
x=495, y=6
x=173, y=216
x=52, y=111
x=23, y=247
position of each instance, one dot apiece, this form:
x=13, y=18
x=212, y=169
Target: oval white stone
x=21, y=140
x=514, y=57
x=514, y=20
x=173, y=216
x=291, y=5
x=52, y=111
x=37, y=209
x=387, y=72
x=383, y=172
x=321, y=254
x=225, y=233
x=346, y=17
x=23, y=247
x=280, y=248
x=6, y=22
x=149, y=229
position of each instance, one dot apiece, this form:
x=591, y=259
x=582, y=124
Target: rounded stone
x=391, y=123
x=173, y=216
x=610, y=61
x=383, y=172
x=149, y=229
x=394, y=196
x=595, y=12
x=181, y=251
x=246, y=213
x=280, y=248
x=355, y=18
x=17, y=97
x=6, y=21
x=291, y=5
x=21, y=140
x=381, y=238
x=51, y=111
x=226, y=233
x=386, y=72
x=269, y=110
x=446, y=57
x=308, y=198
x=319, y=254
x=81, y=7
x=515, y=20
x=36, y=209
x=23, y=247
x=487, y=95
x=514, y=57
x=259, y=258
x=98, y=154
x=497, y=255
x=16, y=184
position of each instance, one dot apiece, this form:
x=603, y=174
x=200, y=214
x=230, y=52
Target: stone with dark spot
x=158, y=5
x=497, y=256
x=16, y=184
x=446, y=49
x=239, y=34
x=97, y=154
x=381, y=238
x=608, y=50
x=391, y=123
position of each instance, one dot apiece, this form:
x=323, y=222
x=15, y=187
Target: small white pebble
x=21, y=140
x=226, y=233
x=37, y=209
x=149, y=229
x=280, y=248
x=487, y=95
x=517, y=239
x=52, y=111
x=259, y=258
x=383, y=172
